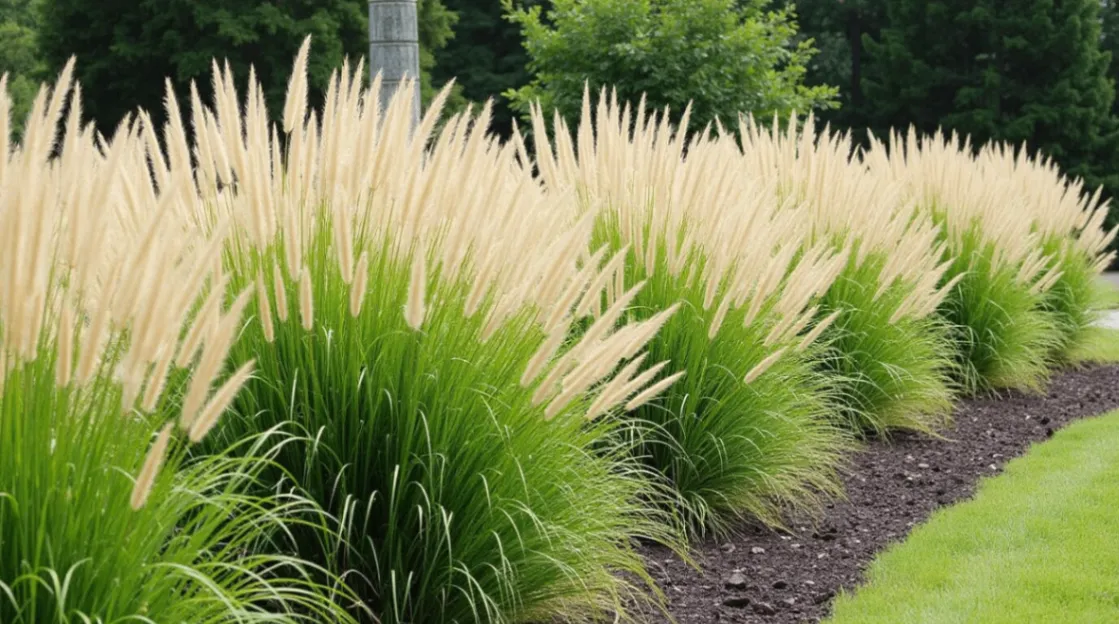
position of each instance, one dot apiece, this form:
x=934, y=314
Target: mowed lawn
x=1039, y=543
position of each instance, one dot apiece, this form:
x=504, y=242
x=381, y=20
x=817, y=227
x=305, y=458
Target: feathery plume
x=265, y=309
x=414, y=309
x=295, y=105
x=653, y=391
x=357, y=291
x=820, y=327
x=764, y=365
x=152, y=463
x=306, y=303
x=219, y=402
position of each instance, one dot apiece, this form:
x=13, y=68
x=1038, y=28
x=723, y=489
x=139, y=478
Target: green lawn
x=1039, y=543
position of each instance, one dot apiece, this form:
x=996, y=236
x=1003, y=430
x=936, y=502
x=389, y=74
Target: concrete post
x=394, y=48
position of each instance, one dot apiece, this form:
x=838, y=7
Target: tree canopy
x=19, y=55
x=723, y=56
x=125, y=49
x=836, y=29
x=1029, y=70
x=486, y=57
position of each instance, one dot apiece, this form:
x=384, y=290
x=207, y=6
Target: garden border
x=779, y=577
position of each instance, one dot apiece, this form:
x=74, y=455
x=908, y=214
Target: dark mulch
x=779, y=578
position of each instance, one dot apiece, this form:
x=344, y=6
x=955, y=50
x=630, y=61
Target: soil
x=766, y=576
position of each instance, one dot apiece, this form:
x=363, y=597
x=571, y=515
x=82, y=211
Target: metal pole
x=394, y=48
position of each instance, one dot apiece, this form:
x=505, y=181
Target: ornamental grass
x=414, y=299
x=104, y=516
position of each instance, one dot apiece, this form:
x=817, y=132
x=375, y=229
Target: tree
x=1109, y=39
x=836, y=28
x=486, y=57
x=437, y=29
x=722, y=57
x=125, y=49
x=19, y=57
x=1028, y=71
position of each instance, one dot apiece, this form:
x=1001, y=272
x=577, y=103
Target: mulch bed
x=782, y=577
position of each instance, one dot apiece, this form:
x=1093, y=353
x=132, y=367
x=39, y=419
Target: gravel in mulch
x=783, y=577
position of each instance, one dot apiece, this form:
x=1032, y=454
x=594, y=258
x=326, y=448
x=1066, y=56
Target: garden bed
x=777, y=577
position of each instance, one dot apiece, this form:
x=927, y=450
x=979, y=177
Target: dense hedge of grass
x=1004, y=334
x=464, y=378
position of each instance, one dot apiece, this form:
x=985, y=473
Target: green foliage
x=75, y=551
x=436, y=30
x=1073, y=301
x=836, y=30
x=730, y=450
x=1034, y=544
x=486, y=56
x=1004, y=336
x=722, y=58
x=891, y=374
x=1109, y=40
x=126, y=49
x=1100, y=346
x=458, y=502
x=1030, y=71
x=19, y=56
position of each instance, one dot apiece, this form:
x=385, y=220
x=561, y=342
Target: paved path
x=1111, y=319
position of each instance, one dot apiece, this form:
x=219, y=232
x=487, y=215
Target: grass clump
x=744, y=429
x=1034, y=545
x=893, y=369
x=98, y=522
x=1069, y=224
x=745, y=432
x=889, y=358
x=1003, y=334
x=1075, y=299
x=428, y=359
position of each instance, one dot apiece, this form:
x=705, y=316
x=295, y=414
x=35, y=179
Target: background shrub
x=722, y=56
